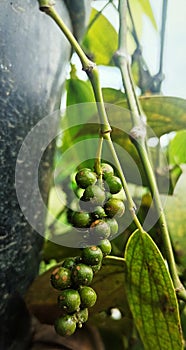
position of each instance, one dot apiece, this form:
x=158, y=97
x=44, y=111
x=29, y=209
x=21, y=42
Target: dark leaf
x=151, y=295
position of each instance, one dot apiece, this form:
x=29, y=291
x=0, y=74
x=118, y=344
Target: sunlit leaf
x=147, y=9
x=176, y=216
x=80, y=124
x=79, y=91
x=177, y=148
x=151, y=295
x=101, y=40
x=164, y=114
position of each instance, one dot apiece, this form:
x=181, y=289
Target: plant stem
x=163, y=25
x=162, y=221
x=97, y=163
x=123, y=61
x=98, y=15
x=114, y=258
x=47, y=7
x=134, y=32
x=138, y=135
x=92, y=72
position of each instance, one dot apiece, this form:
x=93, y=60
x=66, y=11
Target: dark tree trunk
x=33, y=59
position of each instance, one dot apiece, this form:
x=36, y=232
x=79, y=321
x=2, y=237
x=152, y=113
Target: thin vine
x=138, y=133
x=138, y=136
x=90, y=68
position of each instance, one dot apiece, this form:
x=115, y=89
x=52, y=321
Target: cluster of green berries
x=73, y=279
x=99, y=209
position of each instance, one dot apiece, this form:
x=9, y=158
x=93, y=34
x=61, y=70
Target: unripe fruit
x=82, y=274
x=61, y=278
x=98, y=213
x=69, y=300
x=99, y=229
x=65, y=325
x=114, y=208
x=81, y=219
x=114, y=184
x=70, y=262
x=96, y=268
x=88, y=296
x=113, y=226
x=85, y=177
x=108, y=196
x=107, y=170
x=94, y=194
x=105, y=247
x=82, y=317
x=92, y=255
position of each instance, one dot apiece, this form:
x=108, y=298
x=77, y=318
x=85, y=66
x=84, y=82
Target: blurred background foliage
x=166, y=120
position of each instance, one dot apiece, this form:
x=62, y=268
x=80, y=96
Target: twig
x=98, y=14
x=90, y=68
x=138, y=136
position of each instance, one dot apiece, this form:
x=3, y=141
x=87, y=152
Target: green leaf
x=164, y=114
x=176, y=216
x=113, y=274
x=101, y=40
x=177, y=148
x=78, y=91
x=147, y=9
x=151, y=295
x=79, y=12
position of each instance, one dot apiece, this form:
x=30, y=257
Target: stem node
x=45, y=5
x=105, y=133
x=89, y=67
x=138, y=133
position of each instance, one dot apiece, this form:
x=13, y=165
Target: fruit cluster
x=73, y=279
x=98, y=207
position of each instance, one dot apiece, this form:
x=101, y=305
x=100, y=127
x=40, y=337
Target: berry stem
x=47, y=6
x=138, y=134
x=110, y=258
x=97, y=163
x=92, y=71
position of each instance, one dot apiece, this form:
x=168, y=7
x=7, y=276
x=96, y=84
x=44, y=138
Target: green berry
x=108, y=196
x=82, y=317
x=65, y=325
x=113, y=226
x=81, y=219
x=99, y=229
x=105, y=247
x=98, y=213
x=107, y=170
x=114, y=207
x=70, y=262
x=61, y=278
x=69, y=300
x=114, y=184
x=96, y=268
x=94, y=194
x=82, y=274
x=85, y=177
x=92, y=255
x=88, y=296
